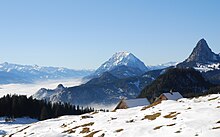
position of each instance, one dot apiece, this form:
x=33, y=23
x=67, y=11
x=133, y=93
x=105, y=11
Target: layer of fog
x=30, y=89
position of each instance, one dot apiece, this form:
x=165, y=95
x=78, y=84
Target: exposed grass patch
x=171, y=125
x=19, y=131
x=63, y=126
x=171, y=115
x=189, y=108
x=151, y=105
x=212, y=98
x=72, y=130
x=92, y=134
x=158, y=127
x=118, y=130
x=130, y=121
x=85, y=130
x=218, y=107
x=69, y=131
x=93, y=113
x=178, y=131
x=102, y=135
x=152, y=117
x=113, y=118
x=216, y=128
x=218, y=122
x=86, y=116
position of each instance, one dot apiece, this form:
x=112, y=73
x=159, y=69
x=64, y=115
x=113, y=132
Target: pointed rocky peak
x=202, y=54
x=121, y=59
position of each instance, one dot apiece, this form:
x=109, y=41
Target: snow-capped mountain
x=131, y=66
x=162, y=66
x=183, y=118
x=15, y=73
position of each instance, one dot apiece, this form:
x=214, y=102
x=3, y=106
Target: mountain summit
x=123, y=63
x=200, y=55
x=122, y=59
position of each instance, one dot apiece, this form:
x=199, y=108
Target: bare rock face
x=201, y=54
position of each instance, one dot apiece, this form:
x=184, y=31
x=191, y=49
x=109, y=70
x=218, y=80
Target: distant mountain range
x=15, y=73
x=122, y=76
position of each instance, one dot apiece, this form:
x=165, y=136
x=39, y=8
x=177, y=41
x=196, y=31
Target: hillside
x=182, y=118
x=106, y=89
x=188, y=82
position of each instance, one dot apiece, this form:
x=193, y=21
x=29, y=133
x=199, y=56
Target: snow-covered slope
x=162, y=66
x=182, y=118
x=208, y=67
x=15, y=73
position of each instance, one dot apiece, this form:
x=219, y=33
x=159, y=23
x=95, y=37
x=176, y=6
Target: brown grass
x=212, y=98
x=171, y=115
x=178, y=131
x=19, y=131
x=151, y=105
x=189, y=108
x=216, y=128
x=130, y=121
x=92, y=134
x=93, y=113
x=85, y=130
x=69, y=131
x=152, y=117
x=63, y=126
x=218, y=107
x=86, y=116
x=171, y=125
x=118, y=130
x=102, y=135
x=158, y=127
x=73, y=131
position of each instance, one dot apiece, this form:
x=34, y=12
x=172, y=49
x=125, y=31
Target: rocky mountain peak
x=121, y=59
x=202, y=53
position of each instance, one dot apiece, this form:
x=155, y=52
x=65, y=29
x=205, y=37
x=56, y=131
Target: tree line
x=14, y=106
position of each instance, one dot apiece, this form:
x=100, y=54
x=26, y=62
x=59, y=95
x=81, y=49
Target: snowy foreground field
x=182, y=118
x=30, y=89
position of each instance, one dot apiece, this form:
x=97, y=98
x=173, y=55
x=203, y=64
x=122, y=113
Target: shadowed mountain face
x=200, y=55
x=106, y=89
x=188, y=82
x=203, y=59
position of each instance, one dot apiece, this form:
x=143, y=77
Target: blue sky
x=84, y=33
